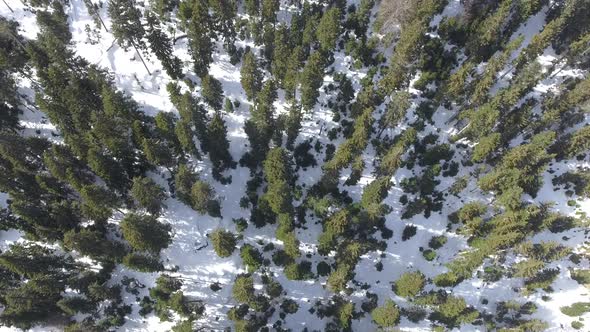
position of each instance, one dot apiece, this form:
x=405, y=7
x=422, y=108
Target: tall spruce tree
x=126, y=23
x=329, y=29
x=199, y=37
x=250, y=75
x=161, y=46
x=219, y=149
x=212, y=92
x=312, y=79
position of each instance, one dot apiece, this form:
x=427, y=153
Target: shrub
x=409, y=284
x=577, y=325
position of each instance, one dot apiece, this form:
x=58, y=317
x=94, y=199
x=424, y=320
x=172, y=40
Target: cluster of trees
x=67, y=193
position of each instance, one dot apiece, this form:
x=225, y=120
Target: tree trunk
x=140, y=57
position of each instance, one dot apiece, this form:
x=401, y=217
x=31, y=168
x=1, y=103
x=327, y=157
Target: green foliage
x=454, y=312
x=408, y=232
x=161, y=46
x=224, y=242
x=143, y=262
x=199, y=37
x=145, y=232
x=299, y=271
x=126, y=24
x=387, y=315
x=429, y=254
x=581, y=276
x=251, y=257
x=329, y=28
x=243, y=289
x=409, y=284
x=577, y=325
x=339, y=277
x=98, y=202
x=278, y=174
x=74, y=304
x=184, y=179
x=519, y=171
x=148, y=194
x=250, y=75
x=94, y=244
x=289, y=306
x=219, y=146
x=311, y=80
x=212, y=92
x=203, y=199
x=486, y=146
x=437, y=242
x=576, y=309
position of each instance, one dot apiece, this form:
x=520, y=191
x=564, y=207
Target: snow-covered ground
x=200, y=268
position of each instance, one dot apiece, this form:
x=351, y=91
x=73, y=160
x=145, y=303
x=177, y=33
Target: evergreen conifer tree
x=161, y=46
x=219, y=149
x=312, y=78
x=250, y=76
x=199, y=36
x=212, y=92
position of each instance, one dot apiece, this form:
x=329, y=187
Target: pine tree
x=224, y=242
x=250, y=75
x=183, y=183
x=199, y=36
x=409, y=284
x=269, y=11
x=243, y=289
x=312, y=79
x=281, y=53
x=345, y=314
x=251, y=257
x=329, y=29
x=260, y=127
x=94, y=244
x=386, y=315
x=126, y=23
x=97, y=203
x=161, y=46
x=396, y=110
x=148, y=194
x=145, y=232
x=219, y=153
x=252, y=7
x=278, y=174
x=291, y=79
x=293, y=124
x=203, y=199
x=225, y=12
x=184, y=134
x=158, y=153
x=268, y=40
x=212, y=92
